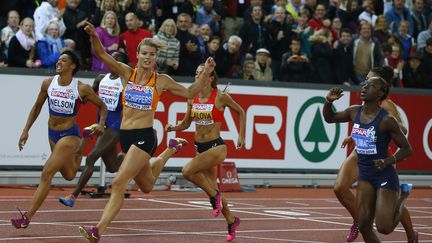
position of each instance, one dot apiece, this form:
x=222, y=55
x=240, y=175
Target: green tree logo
x=316, y=133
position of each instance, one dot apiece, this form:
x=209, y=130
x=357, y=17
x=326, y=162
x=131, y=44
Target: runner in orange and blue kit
x=207, y=109
x=143, y=87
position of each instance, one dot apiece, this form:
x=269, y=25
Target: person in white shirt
x=45, y=13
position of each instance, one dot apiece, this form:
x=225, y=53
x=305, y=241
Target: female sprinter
x=109, y=88
x=137, y=139
x=64, y=94
x=207, y=109
x=348, y=173
x=378, y=197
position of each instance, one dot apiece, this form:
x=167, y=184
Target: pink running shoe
x=232, y=229
x=88, y=131
x=354, y=231
x=177, y=143
x=90, y=232
x=216, y=203
x=21, y=223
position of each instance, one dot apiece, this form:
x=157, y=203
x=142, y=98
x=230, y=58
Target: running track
x=268, y=215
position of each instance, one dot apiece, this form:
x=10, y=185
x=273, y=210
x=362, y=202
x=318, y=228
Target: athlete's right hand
x=334, y=94
x=168, y=127
x=348, y=140
x=90, y=29
x=22, y=140
x=209, y=65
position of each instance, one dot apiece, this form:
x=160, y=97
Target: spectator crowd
x=305, y=41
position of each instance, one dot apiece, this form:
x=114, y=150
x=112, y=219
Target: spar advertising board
x=285, y=128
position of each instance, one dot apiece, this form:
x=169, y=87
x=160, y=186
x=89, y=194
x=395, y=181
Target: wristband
x=328, y=101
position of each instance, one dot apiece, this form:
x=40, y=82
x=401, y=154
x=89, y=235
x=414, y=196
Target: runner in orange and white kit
x=348, y=172
x=64, y=94
x=207, y=109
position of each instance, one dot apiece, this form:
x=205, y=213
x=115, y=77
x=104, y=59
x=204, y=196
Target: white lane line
x=302, y=204
x=314, y=212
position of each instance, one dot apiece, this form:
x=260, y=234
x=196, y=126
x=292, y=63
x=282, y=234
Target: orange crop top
x=141, y=97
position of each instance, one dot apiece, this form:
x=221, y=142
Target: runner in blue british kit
x=109, y=87
x=378, y=196
x=64, y=94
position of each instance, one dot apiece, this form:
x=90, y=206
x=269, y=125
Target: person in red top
x=132, y=37
x=207, y=109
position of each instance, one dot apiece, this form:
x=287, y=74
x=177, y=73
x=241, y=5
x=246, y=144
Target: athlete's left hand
x=240, y=142
x=380, y=164
x=98, y=130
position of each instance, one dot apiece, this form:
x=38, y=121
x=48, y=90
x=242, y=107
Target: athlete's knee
x=68, y=176
x=47, y=174
x=118, y=184
x=384, y=228
x=187, y=173
x=340, y=189
x=146, y=188
x=112, y=169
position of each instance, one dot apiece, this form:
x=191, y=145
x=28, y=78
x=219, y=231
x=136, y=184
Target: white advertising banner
x=285, y=128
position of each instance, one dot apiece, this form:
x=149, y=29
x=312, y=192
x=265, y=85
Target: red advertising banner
x=227, y=177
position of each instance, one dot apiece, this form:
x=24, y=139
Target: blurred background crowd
x=305, y=41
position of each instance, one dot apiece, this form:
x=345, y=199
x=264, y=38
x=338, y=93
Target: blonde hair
x=152, y=42
x=379, y=18
x=165, y=23
x=116, y=28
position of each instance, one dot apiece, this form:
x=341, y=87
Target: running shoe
x=406, y=188
x=415, y=240
x=21, y=223
x=88, y=131
x=68, y=200
x=216, y=203
x=90, y=232
x=177, y=143
x=354, y=231
x=232, y=229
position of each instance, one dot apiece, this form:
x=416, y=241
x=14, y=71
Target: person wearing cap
x=413, y=75
x=263, y=71
x=246, y=71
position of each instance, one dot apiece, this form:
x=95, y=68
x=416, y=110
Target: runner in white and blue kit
x=378, y=196
x=109, y=87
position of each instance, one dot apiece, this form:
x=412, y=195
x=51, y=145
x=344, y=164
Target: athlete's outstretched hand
x=209, y=65
x=240, y=142
x=334, y=94
x=90, y=29
x=168, y=127
x=22, y=140
x=98, y=130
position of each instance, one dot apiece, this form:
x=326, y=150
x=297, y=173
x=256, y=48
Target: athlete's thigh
x=64, y=154
x=105, y=142
x=386, y=205
x=207, y=159
x=348, y=172
x=366, y=200
x=134, y=162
